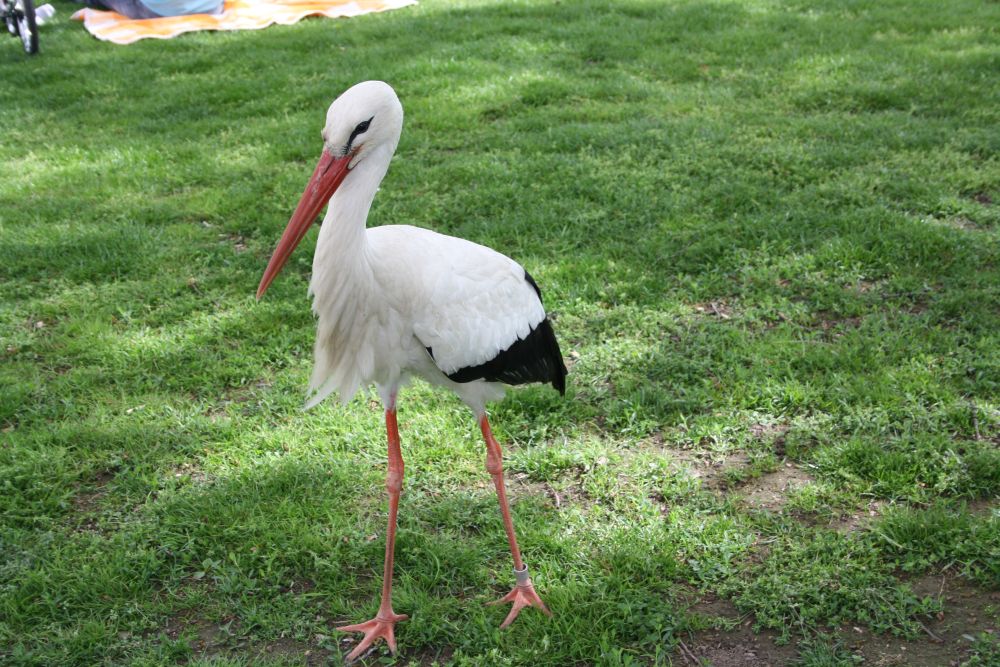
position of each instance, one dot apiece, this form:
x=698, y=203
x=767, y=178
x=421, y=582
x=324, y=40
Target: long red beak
x=329, y=174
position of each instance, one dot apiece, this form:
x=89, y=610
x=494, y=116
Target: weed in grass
x=942, y=534
x=985, y=651
x=824, y=651
x=805, y=582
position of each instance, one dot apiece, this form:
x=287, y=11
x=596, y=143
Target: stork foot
x=380, y=627
x=522, y=596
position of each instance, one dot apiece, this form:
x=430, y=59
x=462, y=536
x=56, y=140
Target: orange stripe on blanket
x=236, y=15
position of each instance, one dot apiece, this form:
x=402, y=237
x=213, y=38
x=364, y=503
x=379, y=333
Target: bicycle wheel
x=26, y=26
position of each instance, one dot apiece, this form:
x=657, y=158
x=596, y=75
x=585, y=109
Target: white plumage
x=405, y=290
x=397, y=301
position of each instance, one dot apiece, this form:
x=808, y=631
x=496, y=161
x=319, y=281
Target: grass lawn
x=768, y=231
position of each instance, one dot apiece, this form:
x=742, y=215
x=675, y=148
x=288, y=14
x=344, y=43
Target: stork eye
x=360, y=129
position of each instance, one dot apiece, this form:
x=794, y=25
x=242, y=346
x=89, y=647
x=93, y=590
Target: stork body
x=399, y=301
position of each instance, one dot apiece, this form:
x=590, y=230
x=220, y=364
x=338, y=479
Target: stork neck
x=344, y=224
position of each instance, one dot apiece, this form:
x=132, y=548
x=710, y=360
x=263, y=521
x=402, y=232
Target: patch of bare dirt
x=715, y=468
x=431, y=658
x=865, y=286
x=859, y=519
x=235, y=240
x=719, y=309
x=571, y=359
x=737, y=647
x=711, y=469
x=215, y=413
x=87, y=501
x=520, y=485
x=968, y=611
x=918, y=307
x=236, y=396
x=961, y=222
x=298, y=586
x=209, y=639
x=990, y=430
x=244, y=393
x=955, y=222
x=87, y=523
x=292, y=648
x=86, y=504
x=771, y=491
x=828, y=321
x=733, y=474
x=773, y=433
x=763, y=431
x=567, y=494
x=984, y=505
x=189, y=472
x=710, y=605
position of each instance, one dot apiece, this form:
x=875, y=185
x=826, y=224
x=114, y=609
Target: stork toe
x=522, y=595
x=375, y=629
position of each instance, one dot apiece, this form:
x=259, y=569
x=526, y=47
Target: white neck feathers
x=341, y=244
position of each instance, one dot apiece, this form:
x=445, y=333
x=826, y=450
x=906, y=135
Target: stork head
x=365, y=120
x=366, y=116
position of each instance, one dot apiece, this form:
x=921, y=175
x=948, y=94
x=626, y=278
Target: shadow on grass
x=232, y=542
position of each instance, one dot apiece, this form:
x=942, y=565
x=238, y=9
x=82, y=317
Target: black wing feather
x=534, y=358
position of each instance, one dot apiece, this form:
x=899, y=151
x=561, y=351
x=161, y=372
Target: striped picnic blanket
x=236, y=15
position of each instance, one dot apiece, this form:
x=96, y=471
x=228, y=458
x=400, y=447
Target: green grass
x=768, y=231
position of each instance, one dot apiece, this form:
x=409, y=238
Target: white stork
x=397, y=301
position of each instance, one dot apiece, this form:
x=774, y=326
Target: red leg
x=523, y=594
x=382, y=626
